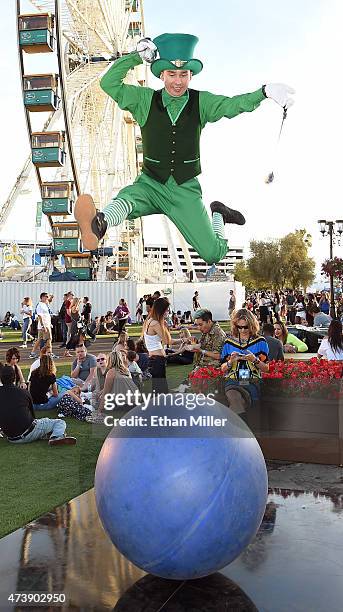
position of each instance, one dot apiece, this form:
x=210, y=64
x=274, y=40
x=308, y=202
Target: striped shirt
x=258, y=346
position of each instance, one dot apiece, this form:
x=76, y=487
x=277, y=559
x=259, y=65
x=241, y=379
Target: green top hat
x=176, y=53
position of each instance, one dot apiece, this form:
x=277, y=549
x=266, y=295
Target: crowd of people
x=293, y=307
x=258, y=333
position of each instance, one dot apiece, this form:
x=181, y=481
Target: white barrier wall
x=212, y=295
x=105, y=295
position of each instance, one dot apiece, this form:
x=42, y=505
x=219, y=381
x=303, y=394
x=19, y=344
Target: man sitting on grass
x=83, y=368
x=17, y=418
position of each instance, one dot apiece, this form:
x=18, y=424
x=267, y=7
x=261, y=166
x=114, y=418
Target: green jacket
x=299, y=344
x=138, y=100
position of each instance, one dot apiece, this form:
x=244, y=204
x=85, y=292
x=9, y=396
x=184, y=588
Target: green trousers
x=183, y=205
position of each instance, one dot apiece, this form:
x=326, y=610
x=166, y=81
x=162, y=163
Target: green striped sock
x=117, y=211
x=218, y=224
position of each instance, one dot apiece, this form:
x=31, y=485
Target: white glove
x=147, y=50
x=280, y=94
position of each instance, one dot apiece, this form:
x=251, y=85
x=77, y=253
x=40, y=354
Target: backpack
x=62, y=311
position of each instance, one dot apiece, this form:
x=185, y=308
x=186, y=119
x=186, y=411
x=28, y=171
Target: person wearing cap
x=171, y=121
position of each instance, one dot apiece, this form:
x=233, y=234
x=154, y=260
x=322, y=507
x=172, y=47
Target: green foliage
x=242, y=274
x=274, y=264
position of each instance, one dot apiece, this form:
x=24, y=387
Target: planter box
x=301, y=429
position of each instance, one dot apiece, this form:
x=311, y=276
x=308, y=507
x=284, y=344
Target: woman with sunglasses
x=12, y=359
x=244, y=357
x=118, y=380
x=99, y=379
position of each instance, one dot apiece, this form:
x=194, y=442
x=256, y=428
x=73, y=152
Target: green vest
x=172, y=150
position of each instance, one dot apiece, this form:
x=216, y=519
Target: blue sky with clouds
x=242, y=43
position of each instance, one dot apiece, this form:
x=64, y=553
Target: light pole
x=327, y=228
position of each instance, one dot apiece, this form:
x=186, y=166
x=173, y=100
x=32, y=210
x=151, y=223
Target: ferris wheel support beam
x=79, y=91
x=189, y=263
x=89, y=25
x=64, y=97
x=107, y=20
x=177, y=269
x=74, y=43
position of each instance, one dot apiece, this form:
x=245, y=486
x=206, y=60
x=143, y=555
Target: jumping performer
x=171, y=120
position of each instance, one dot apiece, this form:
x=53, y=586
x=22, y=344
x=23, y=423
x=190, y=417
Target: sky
x=242, y=44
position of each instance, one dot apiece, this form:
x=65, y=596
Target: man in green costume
x=171, y=121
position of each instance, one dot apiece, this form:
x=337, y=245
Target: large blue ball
x=181, y=507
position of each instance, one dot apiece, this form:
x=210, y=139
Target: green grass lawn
x=35, y=477
x=133, y=331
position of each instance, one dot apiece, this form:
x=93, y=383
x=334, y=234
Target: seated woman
x=175, y=320
x=42, y=380
x=12, y=359
x=99, y=378
x=291, y=344
x=14, y=322
x=46, y=350
x=143, y=357
x=181, y=356
x=6, y=322
x=71, y=405
x=103, y=329
x=244, y=357
x=109, y=323
x=131, y=344
x=187, y=318
x=118, y=379
x=121, y=344
x=331, y=348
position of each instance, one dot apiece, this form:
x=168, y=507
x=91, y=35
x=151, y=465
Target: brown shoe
x=91, y=222
x=69, y=440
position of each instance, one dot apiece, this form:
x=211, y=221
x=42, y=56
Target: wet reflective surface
x=294, y=563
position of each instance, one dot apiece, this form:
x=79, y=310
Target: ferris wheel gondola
x=86, y=145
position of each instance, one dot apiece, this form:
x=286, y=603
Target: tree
x=264, y=263
x=279, y=263
x=298, y=269
x=242, y=274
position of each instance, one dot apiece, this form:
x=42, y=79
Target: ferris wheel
x=80, y=140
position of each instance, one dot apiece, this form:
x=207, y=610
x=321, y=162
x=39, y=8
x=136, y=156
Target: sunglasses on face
x=101, y=359
x=242, y=326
